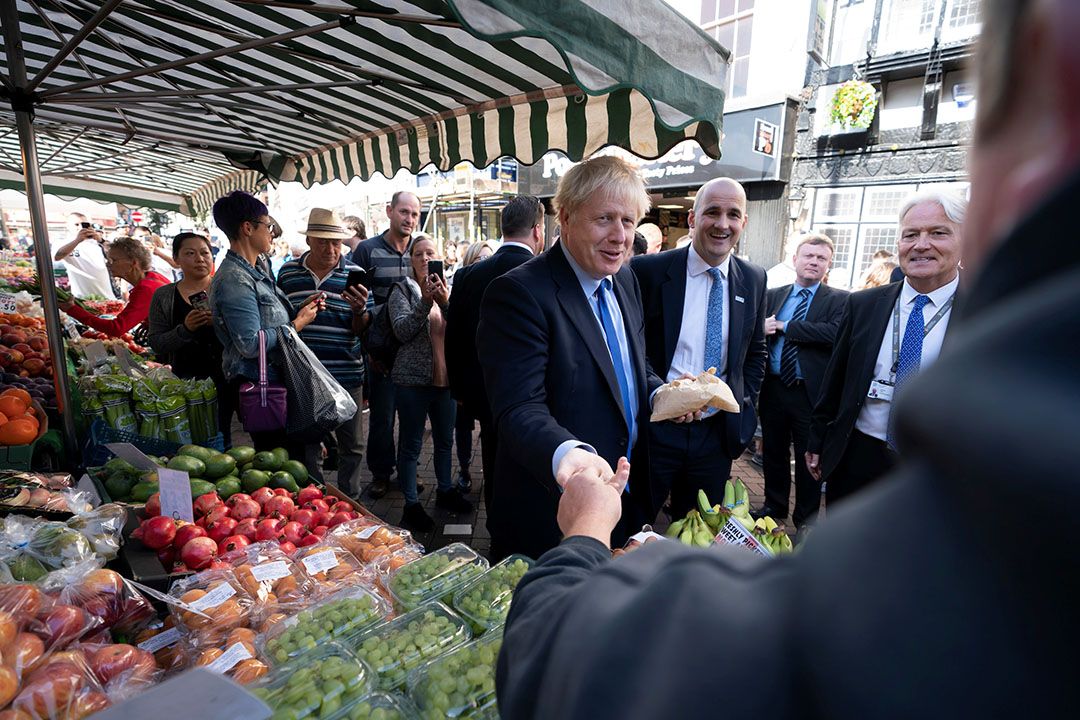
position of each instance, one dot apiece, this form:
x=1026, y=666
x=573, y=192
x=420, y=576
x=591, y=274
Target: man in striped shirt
x=386, y=262
x=334, y=333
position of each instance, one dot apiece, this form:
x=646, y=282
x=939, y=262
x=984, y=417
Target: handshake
x=591, y=503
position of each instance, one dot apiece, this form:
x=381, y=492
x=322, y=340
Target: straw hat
x=324, y=223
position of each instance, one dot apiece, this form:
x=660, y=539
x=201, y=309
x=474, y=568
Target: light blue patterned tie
x=789, y=355
x=617, y=359
x=910, y=357
x=714, y=323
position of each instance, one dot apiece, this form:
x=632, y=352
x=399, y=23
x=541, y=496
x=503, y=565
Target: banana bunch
x=701, y=524
x=772, y=536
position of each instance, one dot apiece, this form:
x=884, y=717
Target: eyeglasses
x=269, y=225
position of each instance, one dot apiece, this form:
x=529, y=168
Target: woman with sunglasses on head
x=181, y=327
x=129, y=260
x=244, y=299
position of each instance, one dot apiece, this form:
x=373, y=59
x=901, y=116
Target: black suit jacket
x=462, y=319
x=663, y=291
x=814, y=335
x=550, y=379
x=866, y=316
x=945, y=523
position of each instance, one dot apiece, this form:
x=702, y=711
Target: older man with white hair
x=887, y=335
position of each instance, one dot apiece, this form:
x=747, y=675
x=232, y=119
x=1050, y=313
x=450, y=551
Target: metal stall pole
x=22, y=104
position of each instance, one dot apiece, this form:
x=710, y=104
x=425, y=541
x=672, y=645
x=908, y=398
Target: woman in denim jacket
x=245, y=299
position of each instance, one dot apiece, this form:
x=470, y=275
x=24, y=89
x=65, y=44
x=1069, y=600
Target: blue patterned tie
x=616, y=356
x=789, y=355
x=714, y=323
x=910, y=358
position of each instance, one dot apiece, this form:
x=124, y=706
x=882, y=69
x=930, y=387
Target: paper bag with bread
x=688, y=395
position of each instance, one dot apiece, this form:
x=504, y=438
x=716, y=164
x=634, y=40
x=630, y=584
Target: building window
x=908, y=25
x=731, y=22
x=964, y=13
x=839, y=205
x=843, y=237
x=874, y=238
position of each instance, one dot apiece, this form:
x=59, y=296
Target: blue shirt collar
x=589, y=284
x=796, y=287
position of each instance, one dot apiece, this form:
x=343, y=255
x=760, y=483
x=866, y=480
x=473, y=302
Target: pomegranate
x=308, y=494
x=187, y=532
x=287, y=547
x=268, y=529
x=318, y=505
x=340, y=506
x=282, y=492
x=323, y=518
x=245, y=509
x=247, y=528
x=236, y=497
x=232, y=543
x=279, y=506
x=320, y=530
x=218, y=530
x=262, y=495
x=153, y=505
x=338, y=518
x=305, y=517
x=198, y=553
x=167, y=556
x=205, y=503
x=158, y=532
x=309, y=540
x=294, y=532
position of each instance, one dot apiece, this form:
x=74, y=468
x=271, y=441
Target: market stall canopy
x=190, y=99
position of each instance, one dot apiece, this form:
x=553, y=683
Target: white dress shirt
x=689, y=357
x=873, y=420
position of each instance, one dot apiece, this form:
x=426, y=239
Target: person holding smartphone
x=181, y=326
x=324, y=273
x=418, y=316
x=83, y=256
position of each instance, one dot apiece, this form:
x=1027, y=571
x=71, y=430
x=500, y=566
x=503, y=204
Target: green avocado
x=196, y=451
x=297, y=470
x=200, y=487
x=142, y=491
x=267, y=461
x=192, y=466
x=252, y=480
x=282, y=479
x=219, y=465
x=281, y=454
x=227, y=486
x=119, y=485
x=241, y=453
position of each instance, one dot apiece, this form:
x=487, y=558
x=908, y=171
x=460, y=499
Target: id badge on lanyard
x=881, y=389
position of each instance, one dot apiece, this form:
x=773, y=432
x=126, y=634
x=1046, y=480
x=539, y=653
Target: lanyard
x=926, y=330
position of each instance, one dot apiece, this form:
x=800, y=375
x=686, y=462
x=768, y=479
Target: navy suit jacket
x=462, y=319
x=550, y=379
x=815, y=334
x=663, y=291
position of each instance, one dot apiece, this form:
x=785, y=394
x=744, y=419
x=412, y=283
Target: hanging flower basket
x=853, y=105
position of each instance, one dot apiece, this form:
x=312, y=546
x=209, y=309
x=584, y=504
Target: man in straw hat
x=334, y=333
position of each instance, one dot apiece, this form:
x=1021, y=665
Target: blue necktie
x=789, y=354
x=616, y=357
x=910, y=357
x=714, y=323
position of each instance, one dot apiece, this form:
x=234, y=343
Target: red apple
x=63, y=624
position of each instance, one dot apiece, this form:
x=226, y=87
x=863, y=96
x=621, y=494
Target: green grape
x=399, y=647
x=375, y=709
x=431, y=576
x=318, y=689
x=487, y=601
x=459, y=685
x=315, y=626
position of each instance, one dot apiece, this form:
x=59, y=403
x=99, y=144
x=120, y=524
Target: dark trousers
x=489, y=443
x=463, y=430
x=865, y=460
x=380, y=440
x=685, y=458
x=785, y=422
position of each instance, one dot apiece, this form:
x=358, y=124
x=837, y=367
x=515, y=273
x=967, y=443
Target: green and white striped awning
x=180, y=101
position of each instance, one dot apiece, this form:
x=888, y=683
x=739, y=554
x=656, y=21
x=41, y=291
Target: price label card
x=86, y=485
x=733, y=533
x=7, y=303
x=71, y=329
x=96, y=353
x=229, y=659
x=175, y=493
x=644, y=535
x=368, y=532
x=273, y=570
x=127, y=451
x=215, y=597
x=321, y=561
x=123, y=355
x=167, y=599
x=162, y=640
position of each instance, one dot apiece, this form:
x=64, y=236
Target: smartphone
x=200, y=300
x=86, y=226
x=358, y=277
x=435, y=267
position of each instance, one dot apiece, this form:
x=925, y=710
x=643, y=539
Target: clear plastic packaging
x=106, y=595
x=344, y=613
x=164, y=641
x=435, y=576
x=393, y=649
x=329, y=565
x=485, y=601
x=315, y=685
x=369, y=539
x=103, y=528
x=235, y=658
x=123, y=670
x=272, y=579
x=213, y=605
x=378, y=706
x=459, y=684
x=62, y=686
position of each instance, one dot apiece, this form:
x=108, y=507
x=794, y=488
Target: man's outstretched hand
x=591, y=504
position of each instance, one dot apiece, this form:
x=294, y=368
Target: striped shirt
x=330, y=335
x=385, y=265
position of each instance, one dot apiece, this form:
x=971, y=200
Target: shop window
x=838, y=205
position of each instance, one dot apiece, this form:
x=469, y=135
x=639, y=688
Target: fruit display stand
x=45, y=452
